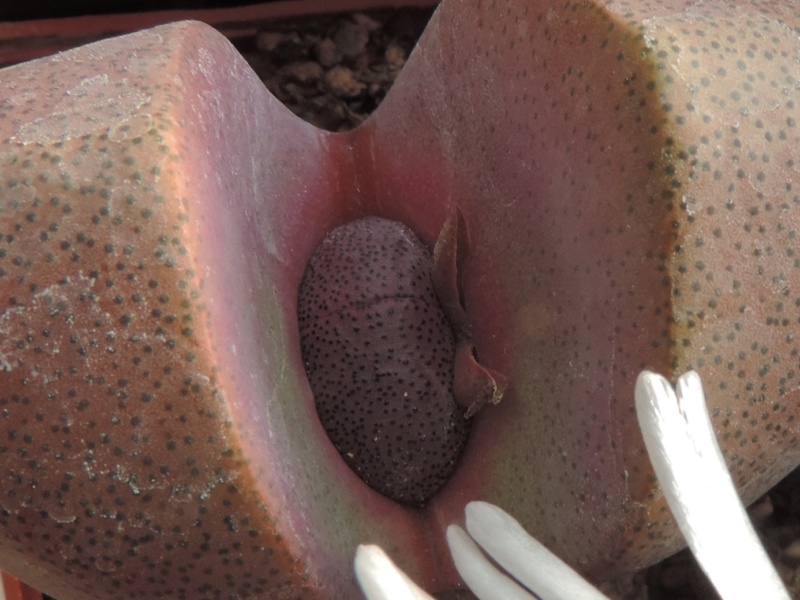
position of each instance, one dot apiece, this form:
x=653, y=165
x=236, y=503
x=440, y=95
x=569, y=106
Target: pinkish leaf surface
x=627, y=172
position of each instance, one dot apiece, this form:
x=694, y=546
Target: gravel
x=334, y=70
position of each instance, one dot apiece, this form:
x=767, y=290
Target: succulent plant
x=626, y=176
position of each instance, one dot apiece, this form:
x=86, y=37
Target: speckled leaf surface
x=626, y=173
x=153, y=240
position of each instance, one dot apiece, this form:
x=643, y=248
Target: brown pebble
x=361, y=65
x=340, y=111
x=395, y=56
x=297, y=93
x=351, y=40
x=761, y=510
x=366, y=22
x=304, y=72
x=267, y=41
x=790, y=555
x=326, y=52
x=343, y=83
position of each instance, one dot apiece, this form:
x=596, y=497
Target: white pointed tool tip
x=696, y=483
x=524, y=557
x=480, y=575
x=380, y=579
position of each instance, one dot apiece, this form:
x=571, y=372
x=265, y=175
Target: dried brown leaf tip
x=474, y=385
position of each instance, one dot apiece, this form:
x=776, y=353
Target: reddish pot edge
x=26, y=40
x=14, y=589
